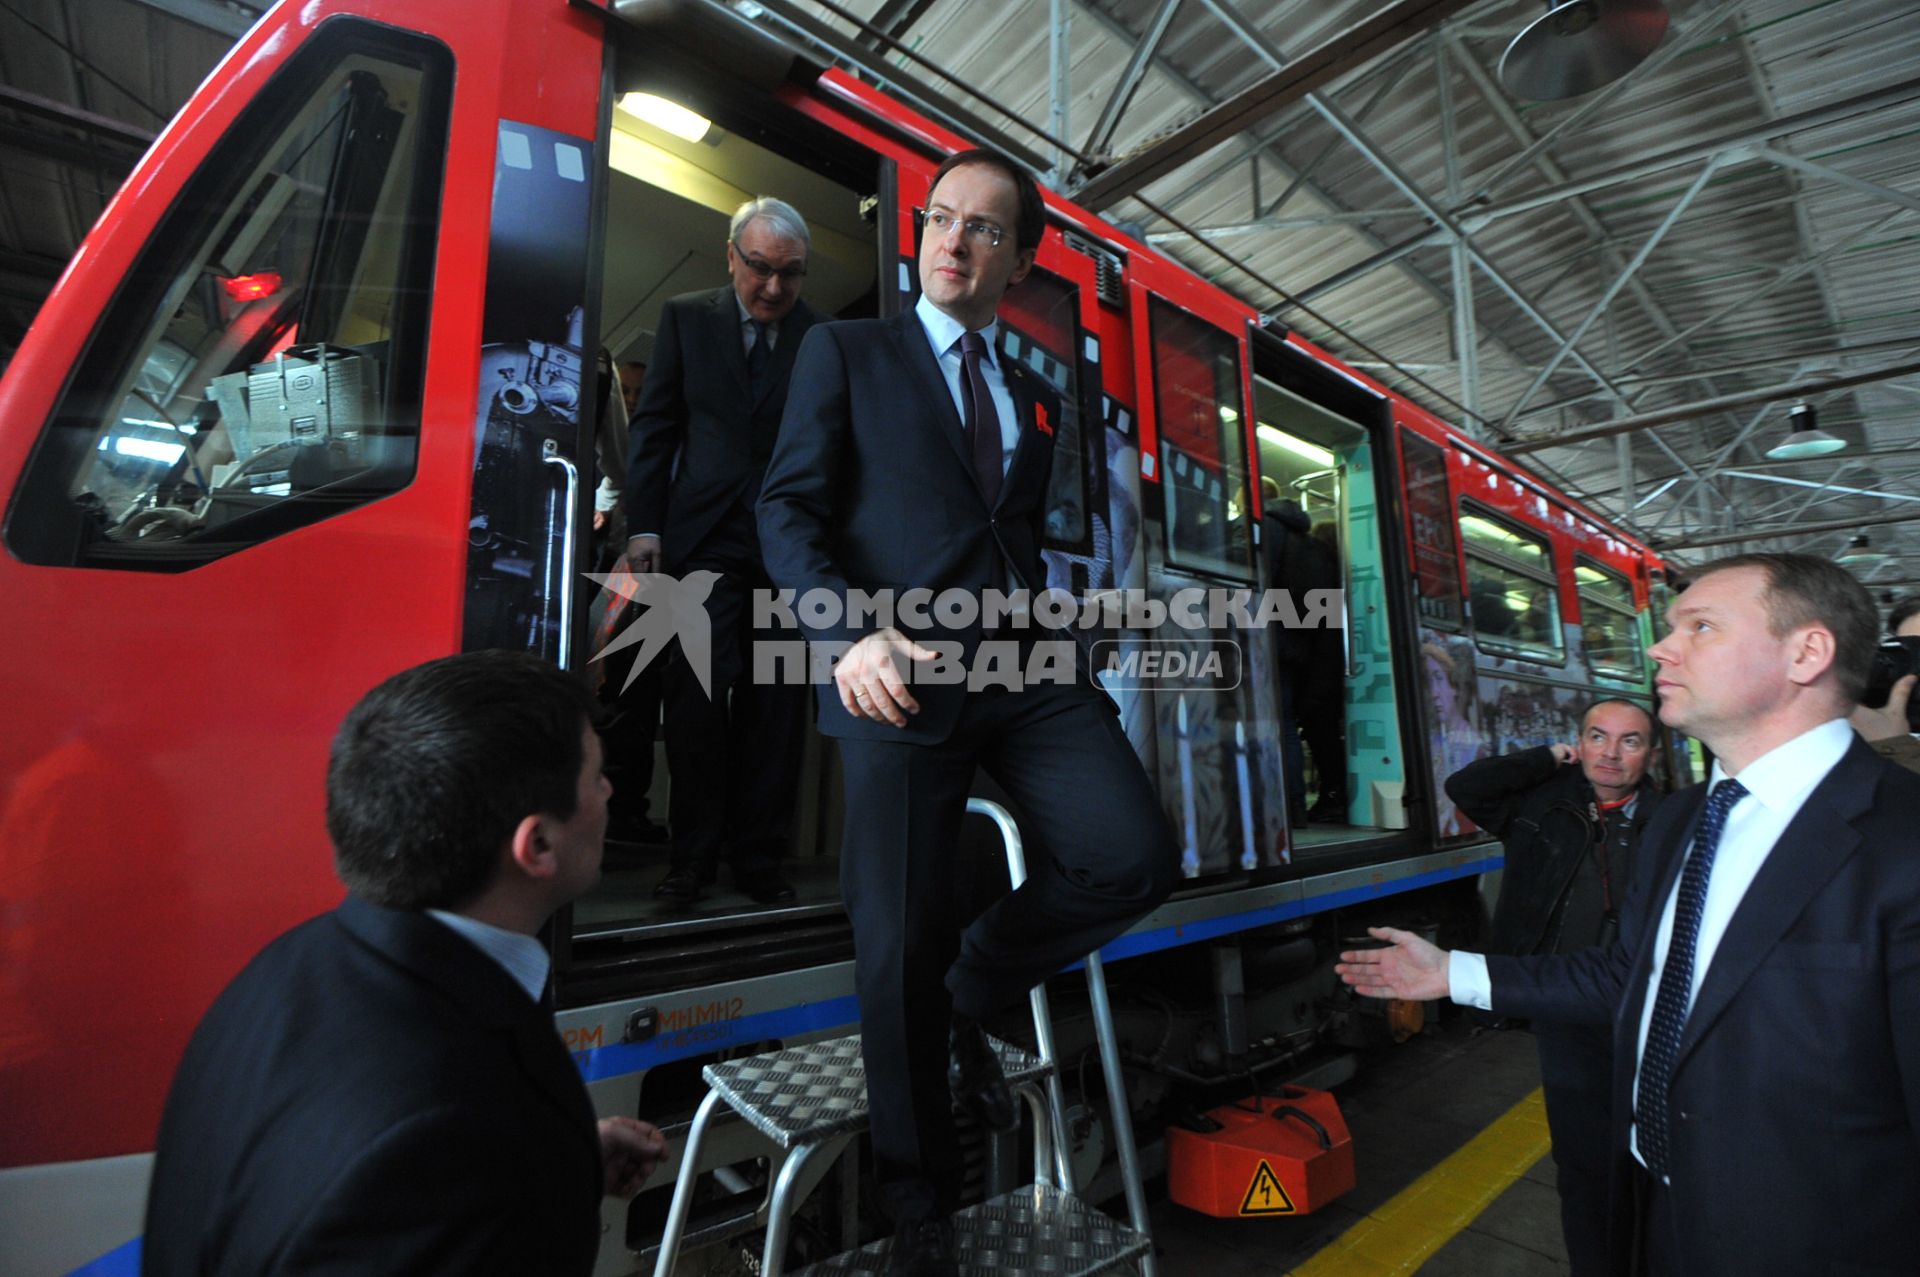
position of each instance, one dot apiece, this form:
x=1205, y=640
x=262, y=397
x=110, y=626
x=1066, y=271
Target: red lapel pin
x=1040, y=418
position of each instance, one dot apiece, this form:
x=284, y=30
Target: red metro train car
x=313, y=403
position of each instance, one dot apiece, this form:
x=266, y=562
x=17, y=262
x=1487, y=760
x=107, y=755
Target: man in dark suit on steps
x=382, y=1089
x=708, y=414
x=914, y=456
x=1761, y=992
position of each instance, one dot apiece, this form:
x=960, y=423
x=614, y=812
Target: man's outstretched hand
x=1411, y=968
x=629, y=1150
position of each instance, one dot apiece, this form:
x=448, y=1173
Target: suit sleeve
x=435, y=1194
x=799, y=498
x=658, y=429
x=1492, y=789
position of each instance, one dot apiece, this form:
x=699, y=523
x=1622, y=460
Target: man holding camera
x=1571, y=817
x=1889, y=727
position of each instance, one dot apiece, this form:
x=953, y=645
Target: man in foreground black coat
x=1571, y=818
x=382, y=1090
x=1766, y=1085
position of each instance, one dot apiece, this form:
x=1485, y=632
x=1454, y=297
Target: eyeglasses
x=985, y=234
x=764, y=270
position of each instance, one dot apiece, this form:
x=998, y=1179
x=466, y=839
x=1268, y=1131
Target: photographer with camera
x=1885, y=718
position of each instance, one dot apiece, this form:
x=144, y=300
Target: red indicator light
x=251, y=288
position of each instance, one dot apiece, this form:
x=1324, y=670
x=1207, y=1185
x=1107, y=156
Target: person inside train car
x=1323, y=716
x=633, y=723
x=1888, y=728
x=1571, y=817
x=1293, y=564
x=1763, y=982
x=914, y=455
x=702, y=435
x=381, y=1090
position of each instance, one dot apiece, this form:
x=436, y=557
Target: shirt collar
x=943, y=329
x=521, y=956
x=747, y=319
x=1782, y=777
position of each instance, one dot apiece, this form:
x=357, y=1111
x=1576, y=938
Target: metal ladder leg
x=683, y=1188
x=780, y=1209
x=1117, y=1105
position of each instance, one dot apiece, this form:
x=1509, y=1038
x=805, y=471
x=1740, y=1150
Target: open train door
x=306, y=409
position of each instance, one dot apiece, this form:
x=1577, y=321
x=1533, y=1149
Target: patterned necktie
x=758, y=356
x=981, y=420
x=1670, y=1003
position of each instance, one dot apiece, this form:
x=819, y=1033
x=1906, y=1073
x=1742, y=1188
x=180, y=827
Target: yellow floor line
x=1403, y=1233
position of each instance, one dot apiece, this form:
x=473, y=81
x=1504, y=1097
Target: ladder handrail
x=1103, y=1033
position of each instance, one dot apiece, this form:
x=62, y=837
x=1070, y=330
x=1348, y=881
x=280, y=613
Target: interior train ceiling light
x=667, y=115
x=1861, y=554
x=1804, y=438
x=1580, y=45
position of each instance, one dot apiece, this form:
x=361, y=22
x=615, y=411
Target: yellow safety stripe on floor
x=1404, y=1233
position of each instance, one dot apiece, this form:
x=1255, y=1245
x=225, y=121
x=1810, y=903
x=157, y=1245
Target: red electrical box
x=1288, y=1154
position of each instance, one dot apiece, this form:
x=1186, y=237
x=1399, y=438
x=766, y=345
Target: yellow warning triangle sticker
x=1266, y=1196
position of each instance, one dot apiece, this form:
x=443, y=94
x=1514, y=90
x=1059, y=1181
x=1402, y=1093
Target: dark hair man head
x=1616, y=743
x=633, y=375
x=767, y=247
x=983, y=223
x=1762, y=648
x=471, y=784
x=1904, y=620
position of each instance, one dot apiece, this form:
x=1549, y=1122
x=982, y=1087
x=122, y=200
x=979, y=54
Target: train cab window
x=1203, y=445
x=1609, y=625
x=261, y=370
x=1436, y=576
x=1512, y=594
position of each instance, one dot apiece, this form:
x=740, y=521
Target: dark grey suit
x=1795, y=1109
x=373, y=1094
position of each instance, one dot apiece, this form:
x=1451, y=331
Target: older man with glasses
x=703, y=432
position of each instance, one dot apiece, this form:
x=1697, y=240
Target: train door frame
x=1297, y=368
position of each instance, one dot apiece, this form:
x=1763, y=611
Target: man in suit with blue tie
x=1765, y=984
x=914, y=456
x=702, y=434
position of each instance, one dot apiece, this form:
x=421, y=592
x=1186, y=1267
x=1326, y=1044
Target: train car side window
x=262, y=367
x=1609, y=625
x=1512, y=594
x=1436, y=573
x=1203, y=444
x=1040, y=328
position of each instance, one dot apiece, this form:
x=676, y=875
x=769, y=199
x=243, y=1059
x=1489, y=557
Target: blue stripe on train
x=599, y=1063
x=121, y=1261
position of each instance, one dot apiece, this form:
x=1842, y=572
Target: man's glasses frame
x=939, y=221
x=764, y=270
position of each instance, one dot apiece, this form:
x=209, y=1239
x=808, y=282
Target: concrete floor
x=1409, y=1108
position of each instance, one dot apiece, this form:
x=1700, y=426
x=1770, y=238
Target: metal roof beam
x=1397, y=22
x=1123, y=89
x=228, y=20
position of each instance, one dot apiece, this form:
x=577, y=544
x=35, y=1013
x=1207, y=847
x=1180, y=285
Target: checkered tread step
x=1037, y=1231
x=806, y=1094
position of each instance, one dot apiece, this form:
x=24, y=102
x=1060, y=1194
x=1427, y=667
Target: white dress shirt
x=1777, y=784
x=521, y=956
x=943, y=334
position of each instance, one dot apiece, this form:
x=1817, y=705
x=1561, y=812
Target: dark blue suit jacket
x=373, y=1095
x=1796, y=1097
x=871, y=488
x=701, y=437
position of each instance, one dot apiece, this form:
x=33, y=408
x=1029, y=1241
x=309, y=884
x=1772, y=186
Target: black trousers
x=1656, y=1237
x=1576, y=1065
x=1100, y=855
x=734, y=755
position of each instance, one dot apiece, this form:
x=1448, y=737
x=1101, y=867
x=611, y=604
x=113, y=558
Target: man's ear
x=1021, y=265
x=531, y=849
x=1812, y=654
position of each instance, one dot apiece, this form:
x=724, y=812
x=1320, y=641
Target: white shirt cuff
x=1467, y=980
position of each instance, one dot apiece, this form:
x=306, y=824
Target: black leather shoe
x=682, y=886
x=974, y=1077
x=923, y=1247
x=765, y=886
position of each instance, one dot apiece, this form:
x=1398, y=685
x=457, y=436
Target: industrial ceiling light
x=1860, y=555
x=1580, y=45
x=1804, y=438
x=666, y=115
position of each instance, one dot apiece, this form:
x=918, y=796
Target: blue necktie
x=757, y=357
x=1670, y=1003
x=980, y=420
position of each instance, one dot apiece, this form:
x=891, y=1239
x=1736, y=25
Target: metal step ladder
x=811, y=1098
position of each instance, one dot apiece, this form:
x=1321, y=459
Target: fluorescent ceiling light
x=666, y=115
x=1861, y=554
x=1298, y=447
